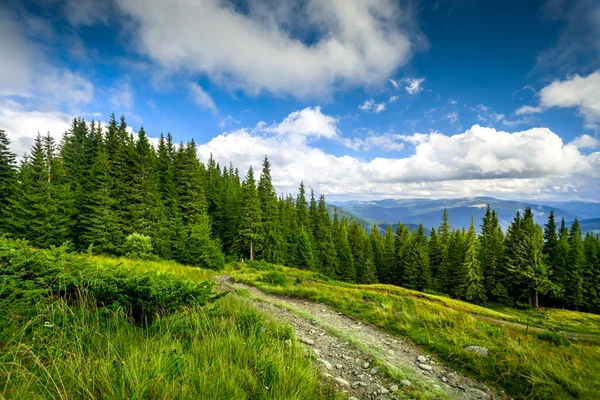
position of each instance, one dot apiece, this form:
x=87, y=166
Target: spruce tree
x=416, y=262
x=250, y=232
x=303, y=256
x=324, y=243
x=302, y=210
x=99, y=224
x=272, y=246
x=561, y=263
x=345, y=263
x=491, y=251
x=388, y=256
x=377, y=249
x=574, y=278
x=401, y=240
x=472, y=288
x=8, y=173
x=591, y=288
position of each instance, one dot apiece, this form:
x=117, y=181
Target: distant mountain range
x=414, y=211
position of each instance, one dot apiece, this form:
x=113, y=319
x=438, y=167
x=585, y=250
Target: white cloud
x=586, y=142
x=201, y=98
x=27, y=73
x=524, y=110
x=395, y=83
x=358, y=42
x=482, y=161
x=22, y=126
x=414, y=85
x=578, y=91
x=304, y=123
x=385, y=142
x=453, y=101
x=393, y=99
x=452, y=118
x=370, y=105
x=487, y=115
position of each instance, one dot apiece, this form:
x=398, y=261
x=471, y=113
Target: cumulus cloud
x=371, y=105
x=393, y=99
x=352, y=42
x=481, y=160
x=22, y=126
x=524, y=110
x=201, y=98
x=305, y=123
x=578, y=91
x=586, y=142
x=414, y=85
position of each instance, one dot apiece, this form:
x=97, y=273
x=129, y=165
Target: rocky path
x=352, y=355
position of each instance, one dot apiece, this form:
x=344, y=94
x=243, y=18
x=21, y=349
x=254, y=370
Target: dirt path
x=352, y=354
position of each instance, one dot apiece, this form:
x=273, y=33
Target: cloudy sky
x=358, y=98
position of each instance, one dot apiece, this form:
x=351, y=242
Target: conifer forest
x=101, y=186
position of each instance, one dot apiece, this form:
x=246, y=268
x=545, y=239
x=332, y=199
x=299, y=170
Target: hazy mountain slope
x=429, y=212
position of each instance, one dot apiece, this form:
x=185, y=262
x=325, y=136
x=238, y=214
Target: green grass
x=534, y=365
x=228, y=352
x=61, y=345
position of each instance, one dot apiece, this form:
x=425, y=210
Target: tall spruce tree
x=574, y=278
x=472, y=288
x=324, y=243
x=8, y=174
x=345, y=263
x=250, y=233
x=590, y=273
x=272, y=246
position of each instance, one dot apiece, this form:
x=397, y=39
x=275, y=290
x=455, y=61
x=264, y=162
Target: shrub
x=554, y=338
x=274, y=278
x=29, y=275
x=139, y=246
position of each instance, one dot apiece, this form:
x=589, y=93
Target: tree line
x=100, y=185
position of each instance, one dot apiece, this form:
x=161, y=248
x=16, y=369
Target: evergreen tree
x=550, y=238
x=561, y=262
x=302, y=210
x=302, y=252
x=40, y=208
x=416, y=262
x=8, y=173
x=401, y=241
x=472, y=288
x=388, y=256
x=591, y=284
x=325, y=247
x=345, y=262
x=574, y=278
x=491, y=250
x=100, y=226
x=377, y=249
x=250, y=234
x=271, y=250
x=435, y=258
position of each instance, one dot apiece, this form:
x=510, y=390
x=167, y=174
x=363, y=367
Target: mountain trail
x=353, y=356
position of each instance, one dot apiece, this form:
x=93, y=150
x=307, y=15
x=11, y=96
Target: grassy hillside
x=526, y=362
x=78, y=327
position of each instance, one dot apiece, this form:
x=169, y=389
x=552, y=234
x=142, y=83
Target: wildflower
x=48, y=324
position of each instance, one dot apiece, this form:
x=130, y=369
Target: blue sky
x=360, y=99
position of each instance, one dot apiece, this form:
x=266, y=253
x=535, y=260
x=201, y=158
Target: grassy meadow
x=544, y=365
x=61, y=346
